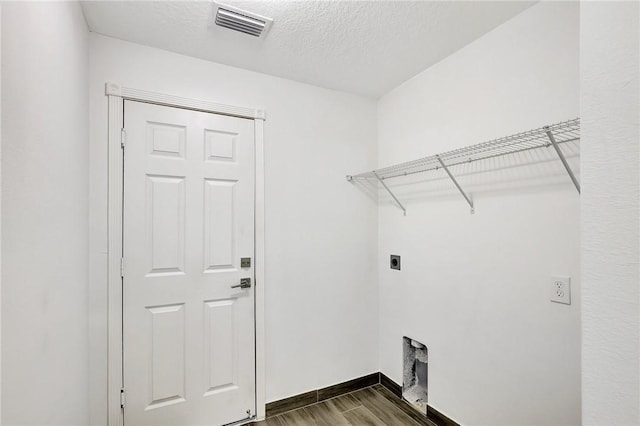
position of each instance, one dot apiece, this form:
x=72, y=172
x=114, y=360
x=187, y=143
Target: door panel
x=166, y=357
x=166, y=223
x=221, y=346
x=188, y=219
x=219, y=228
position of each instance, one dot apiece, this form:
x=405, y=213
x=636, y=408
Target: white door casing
x=188, y=337
x=116, y=95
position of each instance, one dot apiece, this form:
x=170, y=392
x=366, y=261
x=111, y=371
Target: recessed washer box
x=414, y=374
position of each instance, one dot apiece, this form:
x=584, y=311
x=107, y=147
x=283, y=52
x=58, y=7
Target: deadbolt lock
x=245, y=262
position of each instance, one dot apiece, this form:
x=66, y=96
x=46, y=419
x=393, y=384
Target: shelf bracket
x=562, y=158
x=455, y=182
x=391, y=193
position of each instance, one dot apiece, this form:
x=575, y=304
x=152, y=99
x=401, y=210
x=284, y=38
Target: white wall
x=610, y=41
x=321, y=298
x=475, y=288
x=45, y=359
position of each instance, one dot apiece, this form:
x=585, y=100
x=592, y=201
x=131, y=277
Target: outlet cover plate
x=560, y=290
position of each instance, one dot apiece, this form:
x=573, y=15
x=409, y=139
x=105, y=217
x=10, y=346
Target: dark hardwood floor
x=372, y=406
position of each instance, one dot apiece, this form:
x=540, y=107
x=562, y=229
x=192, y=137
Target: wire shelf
x=544, y=137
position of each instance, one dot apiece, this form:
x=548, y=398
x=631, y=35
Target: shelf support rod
x=562, y=158
x=455, y=182
x=390, y=193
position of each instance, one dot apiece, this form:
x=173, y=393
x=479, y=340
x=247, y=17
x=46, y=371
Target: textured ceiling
x=363, y=47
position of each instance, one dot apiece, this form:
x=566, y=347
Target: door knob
x=244, y=283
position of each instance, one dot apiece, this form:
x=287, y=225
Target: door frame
x=116, y=95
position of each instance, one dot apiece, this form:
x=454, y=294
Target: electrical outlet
x=395, y=262
x=561, y=290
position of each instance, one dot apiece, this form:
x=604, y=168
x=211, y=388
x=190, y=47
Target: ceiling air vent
x=240, y=20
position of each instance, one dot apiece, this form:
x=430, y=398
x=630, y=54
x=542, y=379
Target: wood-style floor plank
x=299, y=417
x=382, y=408
x=403, y=406
x=372, y=406
x=343, y=403
x=271, y=421
x=360, y=416
x=326, y=414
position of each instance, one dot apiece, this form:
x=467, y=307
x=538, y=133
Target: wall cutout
x=414, y=374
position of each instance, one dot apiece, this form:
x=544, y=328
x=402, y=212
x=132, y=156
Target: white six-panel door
x=189, y=356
